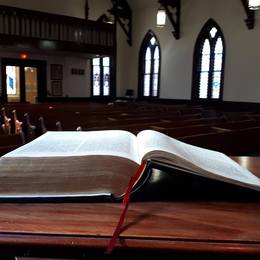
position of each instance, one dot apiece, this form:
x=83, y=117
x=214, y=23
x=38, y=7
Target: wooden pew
x=29, y=129
x=177, y=132
x=198, y=125
x=10, y=142
x=234, y=142
x=6, y=124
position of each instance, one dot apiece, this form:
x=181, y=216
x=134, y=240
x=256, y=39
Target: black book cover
x=170, y=183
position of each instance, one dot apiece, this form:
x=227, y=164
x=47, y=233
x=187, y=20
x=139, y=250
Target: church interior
x=187, y=69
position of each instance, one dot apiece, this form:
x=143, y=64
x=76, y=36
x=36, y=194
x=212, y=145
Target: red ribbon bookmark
x=126, y=200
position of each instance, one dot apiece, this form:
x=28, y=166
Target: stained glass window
x=106, y=76
x=205, y=60
x=150, y=64
x=156, y=58
x=96, y=77
x=208, y=63
x=153, y=40
x=11, y=80
x=147, y=74
x=213, y=32
x=101, y=76
x=218, y=55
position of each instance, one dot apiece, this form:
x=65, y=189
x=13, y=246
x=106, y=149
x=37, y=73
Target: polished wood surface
x=230, y=227
x=211, y=225
x=251, y=163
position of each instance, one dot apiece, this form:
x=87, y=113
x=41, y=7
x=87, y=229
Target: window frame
x=142, y=53
x=101, y=67
x=197, y=60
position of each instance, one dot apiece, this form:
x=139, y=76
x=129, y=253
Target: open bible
x=101, y=163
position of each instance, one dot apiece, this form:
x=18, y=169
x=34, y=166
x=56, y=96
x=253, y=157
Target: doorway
x=23, y=80
x=31, y=88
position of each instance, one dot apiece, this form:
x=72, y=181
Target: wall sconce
x=161, y=17
x=105, y=19
x=171, y=9
x=253, y=4
x=250, y=13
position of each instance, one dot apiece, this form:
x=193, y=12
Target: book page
x=64, y=176
x=79, y=143
x=211, y=163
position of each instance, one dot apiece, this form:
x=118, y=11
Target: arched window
x=101, y=71
x=149, y=67
x=208, y=67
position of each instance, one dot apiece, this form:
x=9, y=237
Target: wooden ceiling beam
x=123, y=15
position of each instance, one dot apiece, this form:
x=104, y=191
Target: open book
x=98, y=163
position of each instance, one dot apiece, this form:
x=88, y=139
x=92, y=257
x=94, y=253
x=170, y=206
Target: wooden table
x=152, y=228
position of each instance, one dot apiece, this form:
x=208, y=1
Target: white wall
x=242, y=77
x=77, y=85
x=98, y=7
x=73, y=85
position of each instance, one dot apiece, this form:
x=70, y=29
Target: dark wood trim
x=122, y=13
x=78, y=99
x=113, y=88
x=54, y=32
x=22, y=83
x=86, y=9
x=54, y=17
x=50, y=46
x=3, y=97
x=225, y=105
